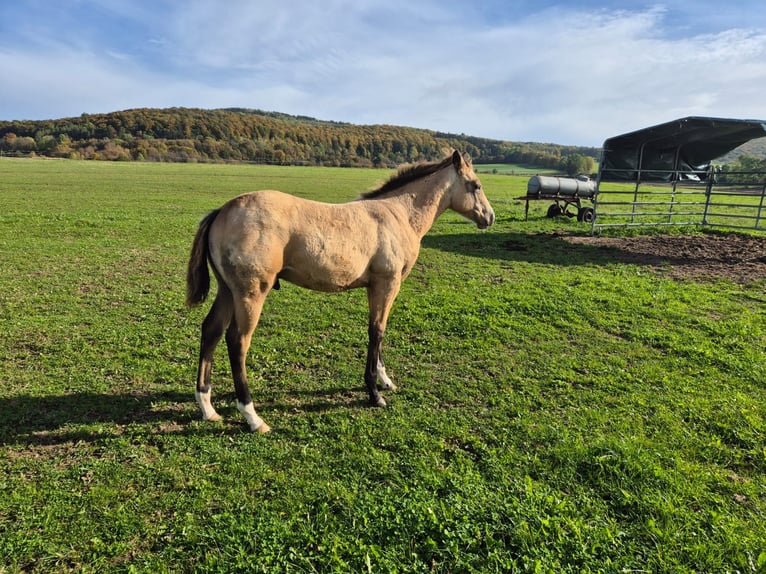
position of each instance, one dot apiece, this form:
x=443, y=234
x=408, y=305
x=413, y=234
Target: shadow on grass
x=315, y=401
x=90, y=417
x=29, y=419
x=548, y=248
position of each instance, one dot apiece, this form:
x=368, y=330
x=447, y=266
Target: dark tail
x=197, y=274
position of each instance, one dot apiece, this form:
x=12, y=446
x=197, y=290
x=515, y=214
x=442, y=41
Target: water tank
x=563, y=186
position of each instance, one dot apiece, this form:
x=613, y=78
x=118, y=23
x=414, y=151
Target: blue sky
x=571, y=72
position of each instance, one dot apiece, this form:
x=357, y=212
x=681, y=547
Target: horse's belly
x=326, y=269
x=320, y=279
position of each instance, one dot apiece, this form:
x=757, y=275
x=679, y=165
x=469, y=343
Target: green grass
x=558, y=411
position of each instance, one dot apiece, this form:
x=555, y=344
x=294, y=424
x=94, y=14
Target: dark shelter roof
x=687, y=145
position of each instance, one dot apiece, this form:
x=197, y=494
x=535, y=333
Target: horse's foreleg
x=375, y=333
x=212, y=330
x=380, y=297
x=238, y=337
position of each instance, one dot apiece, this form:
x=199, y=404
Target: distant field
x=559, y=409
x=510, y=169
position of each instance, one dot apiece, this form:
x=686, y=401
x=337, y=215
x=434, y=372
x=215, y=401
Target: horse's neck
x=425, y=202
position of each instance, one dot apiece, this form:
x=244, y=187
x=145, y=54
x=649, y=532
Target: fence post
x=708, y=193
x=760, y=207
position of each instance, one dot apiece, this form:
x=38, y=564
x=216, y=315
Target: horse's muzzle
x=484, y=220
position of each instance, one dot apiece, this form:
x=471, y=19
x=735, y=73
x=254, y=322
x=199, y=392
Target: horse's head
x=467, y=195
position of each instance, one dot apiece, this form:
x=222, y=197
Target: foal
x=256, y=239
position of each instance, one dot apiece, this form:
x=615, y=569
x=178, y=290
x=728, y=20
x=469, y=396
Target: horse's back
x=265, y=235
x=271, y=215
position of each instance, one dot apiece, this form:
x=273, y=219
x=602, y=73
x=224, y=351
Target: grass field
x=510, y=169
x=558, y=411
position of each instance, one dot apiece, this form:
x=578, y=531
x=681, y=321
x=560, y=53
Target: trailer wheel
x=587, y=215
x=554, y=210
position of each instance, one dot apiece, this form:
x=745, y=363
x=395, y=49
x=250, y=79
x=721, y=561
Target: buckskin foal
x=258, y=238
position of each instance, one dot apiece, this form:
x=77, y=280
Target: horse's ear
x=457, y=160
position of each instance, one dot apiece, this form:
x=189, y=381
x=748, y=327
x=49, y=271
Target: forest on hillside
x=244, y=135
x=744, y=168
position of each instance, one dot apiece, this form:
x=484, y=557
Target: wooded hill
x=196, y=135
x=754, y=149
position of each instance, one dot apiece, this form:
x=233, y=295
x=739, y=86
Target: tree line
x=236, y=135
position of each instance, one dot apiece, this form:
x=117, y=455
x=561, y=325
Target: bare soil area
x=737, y=257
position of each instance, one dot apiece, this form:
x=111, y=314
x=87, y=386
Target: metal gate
x=734, y=200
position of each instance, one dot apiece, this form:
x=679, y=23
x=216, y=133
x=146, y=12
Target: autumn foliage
x=236, y=135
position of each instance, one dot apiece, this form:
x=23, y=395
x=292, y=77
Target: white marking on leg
x=253, y=420
x=385, y=382
x=208, y=412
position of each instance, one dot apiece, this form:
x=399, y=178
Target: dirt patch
x=738, y=258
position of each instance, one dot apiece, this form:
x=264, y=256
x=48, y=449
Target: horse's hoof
x=264, y=428
x=381, y=402
x=213, y=418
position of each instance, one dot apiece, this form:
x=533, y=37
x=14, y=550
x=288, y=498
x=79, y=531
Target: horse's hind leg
x=238, y=336
x=213, y=327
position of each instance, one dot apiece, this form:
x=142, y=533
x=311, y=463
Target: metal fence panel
x=734, y=200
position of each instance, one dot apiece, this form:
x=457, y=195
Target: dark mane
x=407, y=174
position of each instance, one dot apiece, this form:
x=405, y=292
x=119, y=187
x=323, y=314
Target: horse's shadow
x=30, y=420
x=84, y=416
x=315, y=400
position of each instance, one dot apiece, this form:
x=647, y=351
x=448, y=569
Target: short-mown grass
x=558, y=411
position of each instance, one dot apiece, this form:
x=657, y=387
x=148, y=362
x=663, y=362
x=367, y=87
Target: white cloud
x=558, y=75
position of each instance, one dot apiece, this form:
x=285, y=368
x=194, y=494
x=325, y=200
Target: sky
x=569, y=72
